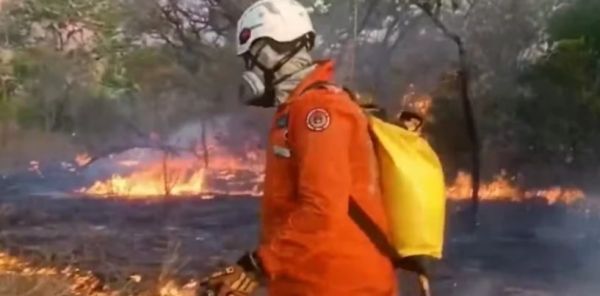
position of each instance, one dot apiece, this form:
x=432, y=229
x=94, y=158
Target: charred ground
x=527, y=248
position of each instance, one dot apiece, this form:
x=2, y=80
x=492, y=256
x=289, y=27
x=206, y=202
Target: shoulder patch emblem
x=318, y=120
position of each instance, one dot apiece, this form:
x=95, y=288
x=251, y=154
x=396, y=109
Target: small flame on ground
x=82, y=159
x=502, y=188
x=80, y=282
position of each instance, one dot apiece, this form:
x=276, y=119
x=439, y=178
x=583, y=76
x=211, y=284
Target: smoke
x=524, y=249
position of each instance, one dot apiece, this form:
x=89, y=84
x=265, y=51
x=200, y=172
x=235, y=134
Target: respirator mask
x=258, y=81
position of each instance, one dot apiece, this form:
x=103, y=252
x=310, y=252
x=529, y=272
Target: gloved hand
x=241, y=279
x=231, y=281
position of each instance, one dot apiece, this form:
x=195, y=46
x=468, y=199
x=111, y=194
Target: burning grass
x=20, y=277
x=184, y=176
x=502, y=188
x=232, y=176
x=224, y=166
x=175, y=178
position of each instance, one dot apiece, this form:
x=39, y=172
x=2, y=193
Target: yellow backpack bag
x=413, y=190
x=412, y=184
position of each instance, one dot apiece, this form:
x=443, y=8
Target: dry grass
x=21, y=277
x=93, y=248
x=14, y=284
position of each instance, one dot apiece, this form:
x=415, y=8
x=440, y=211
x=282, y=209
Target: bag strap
x=372, y=230
x=356, y=213
x=421, y=265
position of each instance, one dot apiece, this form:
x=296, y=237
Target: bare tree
x=433, y=10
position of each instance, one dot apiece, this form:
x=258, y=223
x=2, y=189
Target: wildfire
x=185, y=176
x=231, y=175
x=224, y=166
x=503, y=189
x=152, y=181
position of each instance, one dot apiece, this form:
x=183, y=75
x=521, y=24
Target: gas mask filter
x=252, y=90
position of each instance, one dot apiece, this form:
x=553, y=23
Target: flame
x=169, y=177
x=558, y=195
x=80, y=282
x=420, y=103
x=227, y=173
x=82, y=159
x=502, y=188
x=221, y=167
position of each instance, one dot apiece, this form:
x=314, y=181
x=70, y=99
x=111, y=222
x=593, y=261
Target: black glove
x=242, y=279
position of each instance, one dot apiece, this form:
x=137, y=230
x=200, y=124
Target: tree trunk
x=205, y=153
x=464, y=80
x=166, y=177
x=4, y=130
x=471, y=129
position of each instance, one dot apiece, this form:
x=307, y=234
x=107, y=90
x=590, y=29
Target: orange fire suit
x=319, y=155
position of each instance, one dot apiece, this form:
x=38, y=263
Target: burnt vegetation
x=513, y=85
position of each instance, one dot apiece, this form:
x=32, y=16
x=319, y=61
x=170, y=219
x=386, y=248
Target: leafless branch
x=347, y=42
x=464, y=76
x=472, y=5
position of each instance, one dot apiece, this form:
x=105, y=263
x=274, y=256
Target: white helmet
x=280, y=20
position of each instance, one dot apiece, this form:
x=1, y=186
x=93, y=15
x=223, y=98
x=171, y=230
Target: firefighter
x=319, y=156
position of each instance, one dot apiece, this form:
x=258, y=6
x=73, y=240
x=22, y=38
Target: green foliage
x=51, y=80
x=578, y=21
x=99, y=15
x=558, y=114
x=571, y=65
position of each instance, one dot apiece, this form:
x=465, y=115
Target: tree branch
x=472, y=5
x=346, y=42
x=464, y=77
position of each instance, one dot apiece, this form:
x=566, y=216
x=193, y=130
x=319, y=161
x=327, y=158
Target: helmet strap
x=268, y=98
x=270, y=72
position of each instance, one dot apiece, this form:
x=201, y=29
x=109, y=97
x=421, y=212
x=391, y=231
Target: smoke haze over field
x=125, y=88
